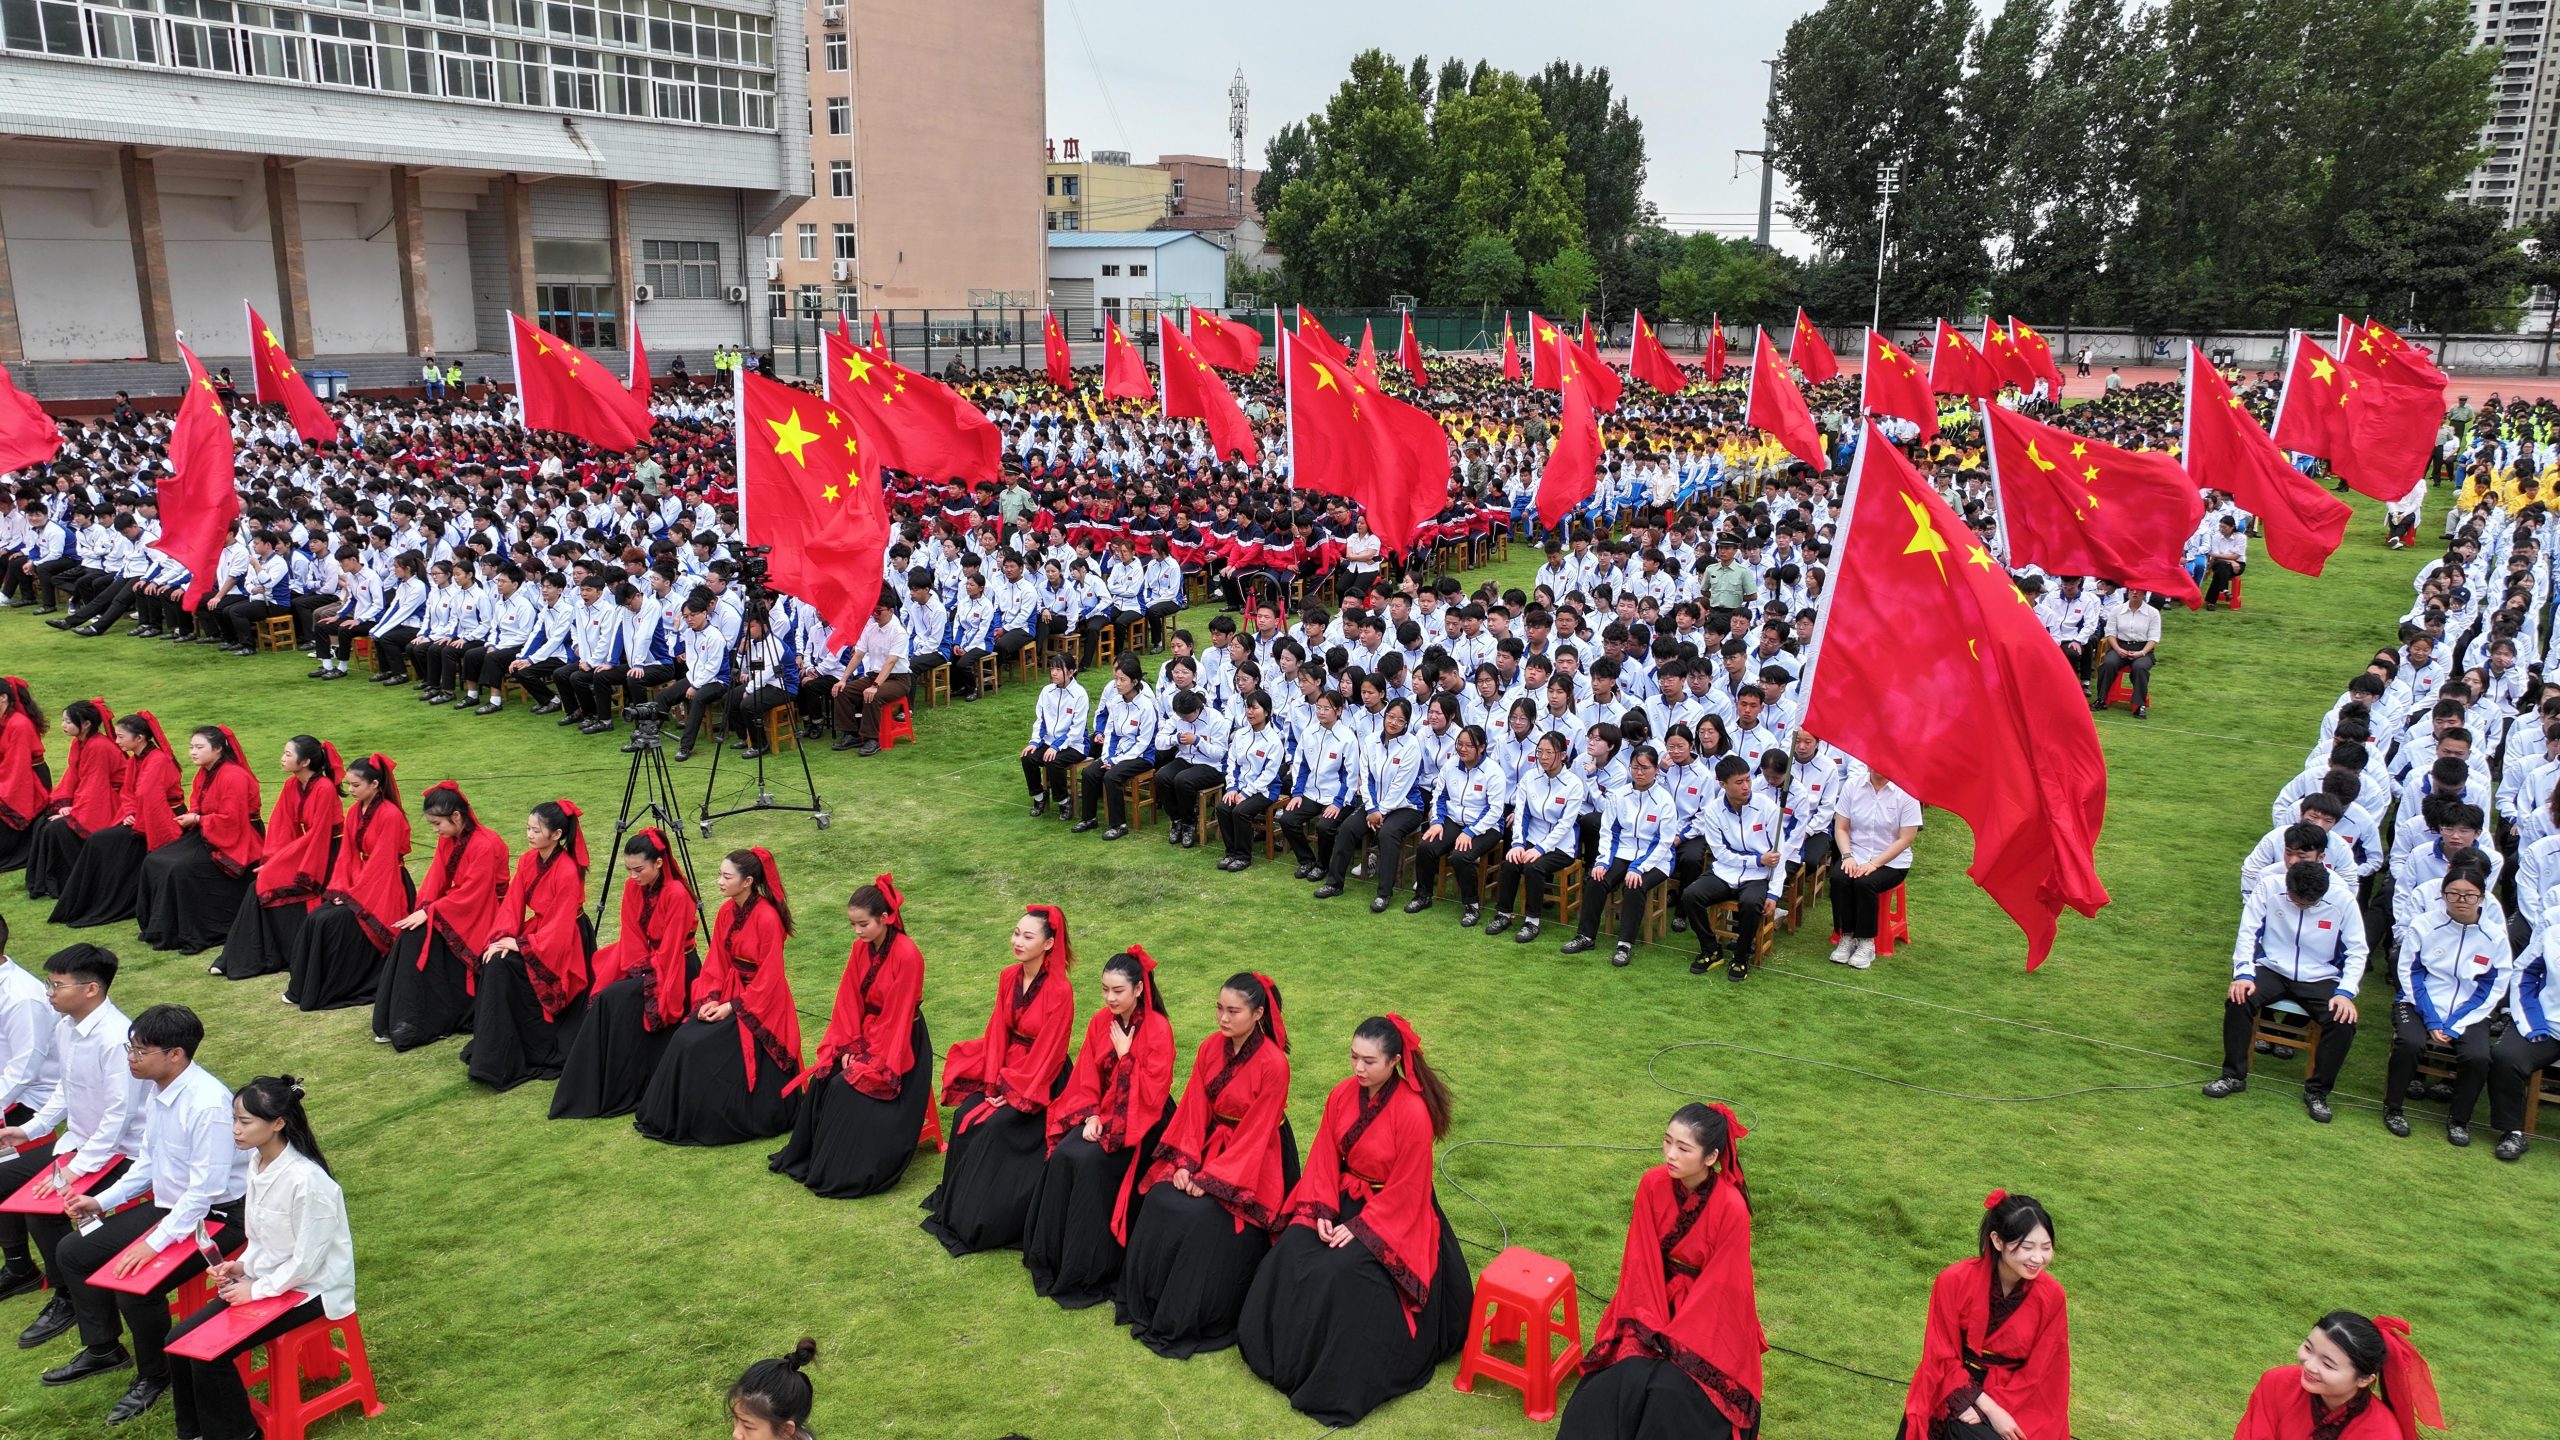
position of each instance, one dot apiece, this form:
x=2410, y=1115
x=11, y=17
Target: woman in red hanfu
x=861, y=1105
x=1365, y=1290
x=82, y=802
x=1677, y=1354
x=104, y=882
x=337, y=959
x=1995, y=1361
x=2353, y=1379
x=531, y=988
x=725, y=1076
x=26, y=781
x=999, y=1087
x=302, y=837
x=1112, y=1112
x=640, y=984
x=191, y=888
x=425, y=990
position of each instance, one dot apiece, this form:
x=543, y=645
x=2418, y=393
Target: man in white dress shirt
x=98, y=1106
x=29, y=1074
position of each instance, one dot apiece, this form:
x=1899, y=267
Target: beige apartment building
x=1101, y=190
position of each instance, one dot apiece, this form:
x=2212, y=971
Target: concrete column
x=409, y=227
x=12, y=344
x=150, y=254
x=617, y=223
x=284, y=234
x=515, y=209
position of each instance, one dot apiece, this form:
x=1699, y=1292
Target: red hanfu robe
x=1018, y=1058
x=1379, y=1147
x=870, y=1032
x=299, y=834
x=745, y=969
x=91, y=789
x=465, y=883
x=541, y=912
x=656, y=937
x=1129, y=1092
x=2021, y=1358
x=1226, y=1131
x=22, y=796
x=148, y=798
x=225, y=801
x=1685, y=1293
x=2280, y=1409
x=371, y=873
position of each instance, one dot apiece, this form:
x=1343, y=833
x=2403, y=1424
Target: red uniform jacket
x=91, y=786
x=745, y=970
x=655, y=942
x=465, y=882
x=147, y=799
x=22, y=796
x=299, y=834
x=1685, y=1294
x=2280, y=1409
x=870, y=1032
x=1017, y=1061
x=2022, y=1359
x=225, y=800
x=543, y=905
x=1226, y=1131
x=371, y=875
x=1379, y=1147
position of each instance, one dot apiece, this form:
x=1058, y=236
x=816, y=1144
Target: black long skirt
x=1643, y=1399
x=609, y=1063
x=416, y=1004
x=16, y=843
x=100, y=888
x=1066, y=1239
x=185, y=902
x=1325, y=1328
x=333, y=964
x=845, y=1144
x=1184, y=1279
x=511, y=1041
x=699, y=1095
x=51, y=852
x=263, y=938
x=987, y=1181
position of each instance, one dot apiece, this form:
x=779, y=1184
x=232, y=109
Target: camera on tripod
x=755, y=568
x=647, y=718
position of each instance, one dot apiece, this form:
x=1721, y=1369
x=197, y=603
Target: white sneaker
x=1840, y=952
x=1863, y=955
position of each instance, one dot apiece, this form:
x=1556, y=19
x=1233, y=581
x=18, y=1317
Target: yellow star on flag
x=834, y=419
x=2322, y=370
x=2089, y=474
x=1925, y=539
x=269, y=333
x=1324, y=377
x=1978, y=557
x=2079, y=449
x=830, y=493
x=857, y=366
x=790, y=439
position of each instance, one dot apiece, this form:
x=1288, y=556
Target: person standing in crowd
x=2352, y=1378
x=725, y=1076
x=100, y=888
x=773, y=1400
x=337, y=959
x=854, y=1137
x=26, y=781
x=639, y=989
x=426, y=988
x=530, y=989
x=191, y=888
x=87, y=798
x=1107, y=1119
x=302, y=834
x=1871, y=836
x=1995, y=1358
x=2301, y=939
x=999, y=1087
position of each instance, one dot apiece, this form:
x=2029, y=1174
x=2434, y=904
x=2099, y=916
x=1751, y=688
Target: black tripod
x=759, y=612
x=649, y=798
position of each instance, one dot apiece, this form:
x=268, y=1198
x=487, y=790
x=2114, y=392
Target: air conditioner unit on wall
x=773, y=267
x=737, y=294
x=833, y=15
x=643, y=294
x=843, y=271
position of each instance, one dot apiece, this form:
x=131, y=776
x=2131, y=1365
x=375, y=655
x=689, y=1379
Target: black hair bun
x=801, y=1354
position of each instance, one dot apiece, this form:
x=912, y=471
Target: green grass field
x=525, y=1278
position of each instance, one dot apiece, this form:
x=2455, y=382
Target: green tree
x=1496, y=169
x=1351, y=226
x=2438, y=263
x=2067, y=200
x=1487, y=271
x=1284, y=159
x=1754, y=285
x=1563, y=283
x=1603, y=147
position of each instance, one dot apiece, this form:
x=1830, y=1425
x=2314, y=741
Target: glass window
x=1110, y=272
x=1067, y=185
x=840, y=179
x=808, y=240
x=682, y=269
x=839, y=115
x=844, y=241
x=836, y=52
x=1137, y=271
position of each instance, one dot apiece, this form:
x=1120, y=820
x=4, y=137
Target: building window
x=1110, y=271
x=808, y=240
x=835, y=52
x=583, y=315
x=681, y=269
x=844, y=241
x=840, y=179
x=1053, y=184
x=1137, y=272
x=839, y=115
x=1067, y=186
x=1065, y=220
x=809, y=300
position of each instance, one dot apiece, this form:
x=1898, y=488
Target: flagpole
x=1866, y=376
x=515, y=360
x=1999, y=504
x=2292, y=351
x=738, y=440
x=257, y=373
x=1830, y=593
x=2187, y=416
x=1288, y=397
x=1751, y=390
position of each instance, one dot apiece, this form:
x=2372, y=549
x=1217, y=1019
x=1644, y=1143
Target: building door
x=584, y=315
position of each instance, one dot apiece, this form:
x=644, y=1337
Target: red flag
x=1313, y=335
x=277, y=382
x=1935, y=671
x=1586, y=330
x=2071, y=505
x=2395, y=405
x=2311, y=412
x=1409, y=354
x=2225, y=450
x=1956, y=367
x=1364, y=445
x=1224, y=343
x=809, y=486
x=2387, y=341
x=1716, y=357
x=1124, y=370
x=917, y=423
x=1891, y=384
x=1544, y=373
x=562, y=388
x=1366, y=367
x=28, y=436
x=2000, y=354
x=1777, y=407
x=200, y=499
x=637, y=382
x=1606, y=387
x=1192, y=390
x=1808, y=352
x=1572, y=468
x=2036, y=356
x=1053, y=348
x=1650, y=363
x=844, y=328
x=879, y=336
x=1510, y=350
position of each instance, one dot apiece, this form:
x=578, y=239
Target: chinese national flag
x=563, y=388
x=638, y=382
x=1891, y=384
x=1572, y=468
x=200, y=501
x=919, y=424
x=1192, y=390
x=278, y=382
x=1544, y=343
x=1510, y=350
x=1716, y=357
x=2311, y=413
x=1224, y=343
x=1366, y=367
x=1650, y=363
x=1808, y=352
x=1777, y=407
x=1124, y=370
x=1409, y=355
x=844, y=328
x=1053, y=348
x=2036, y=355
x=1586, y=341
x=1606, y=387
x=2387, y=342
x=2395, y=404
x=1956, y=367
x=28, y=436
x=2071, y=505
x=1320, y=341
x=1935, y=671
x=2000, y=355
x=809, y=487
x=1366, y=446
x=2225, y=450
x=879, y=336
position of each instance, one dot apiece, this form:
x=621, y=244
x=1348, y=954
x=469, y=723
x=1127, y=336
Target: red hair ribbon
x=1271, y=1009
x=1146, y=972
x=337, y=767
x=772, y=874
x=106, y=717
x=2408, y=1386
x=464, y=800
x=896, y=902
x=1061, y=955
x=230, y=742
x=20, y=697
x=152, y=723
x=1412, y=1049
x=1735, y=1132
x=577, y=833
x=1992, y=1200
x=655, y=837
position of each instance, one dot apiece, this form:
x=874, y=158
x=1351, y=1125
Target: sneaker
x=1862, y=956
x=1738, y=971
x=2224, y=1086
x=1328, y=892
x=1622, y=955
x=2511, y=1146
x=1467, y=916
x=2316, y=1105
x=1840, y=952
x=1702, y=964
x=1528, y=931
x=1501, y=922
x=1417, y=904
x=2457, y=1135
x=2396, y=1123
x=1579, y=944
x=1379, y=905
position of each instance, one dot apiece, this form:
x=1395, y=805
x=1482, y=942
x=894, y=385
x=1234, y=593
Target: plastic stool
x=193, y=1294
x=897, y=722
x=308, y=1354
x=1893, y=922
x=932, y=1132
x=2232, y=597
x=1516, y=1299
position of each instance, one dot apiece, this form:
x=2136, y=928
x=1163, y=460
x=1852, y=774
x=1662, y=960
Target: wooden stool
x=362, y=649
x=2541, y=1085
x=1517, y=1300
x=1026, y=662
x=1106, y=645
x=2288, y=1024
x=1657, y=911
x=513, y=689
x=937, y=686
x=1721, y=922
x=782, y=727
x=275, y=633
x=990, y=673
x=1568, y=896
x=1071, y=646
x=1195, y=588
x=304, y=1356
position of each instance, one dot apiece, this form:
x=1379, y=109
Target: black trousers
x=1103, y=786
x=241, y=617
x=696, y=706
x=637, y=688
x=108, y=605
x=1009, y=643
x=106, y=1314
x=2311, y=995
x=1711, y=889
x=589, y=694
x=485, y=668
x=49, y=1231
x=15, y=1172
x=1179, y=786
x=2219, y=575
x=1236, y=821
x=336, y=634
x=1310, y=835
x=306, y=613
x=55, y=576
x=437, y=662
x=541, y=679
x=964, y=672
x=1631, y=902
x=1533, y=878
x=2409, y=1041
x=391, y=650
x=207, y=1395
x=1467, y=864
x=742, y=712
x=2512, y=1061
x=1854, y=906
x=2140, y=665
x=1386, y=844
x=1048, y=778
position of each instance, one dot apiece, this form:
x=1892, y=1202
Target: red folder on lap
x=39, y=1197
x=153, y=1277
x=224, y=1332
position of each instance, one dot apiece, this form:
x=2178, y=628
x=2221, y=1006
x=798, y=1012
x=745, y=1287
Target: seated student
x=302, y=833
x=95, y=1100
x=2531, y=1043
x=640, y=984
x=1385, y=804
x=1365, y=1291
x=1193, y=743
x=1126, y=729
x=1000, y=1086
x=26, y=781
x=1740, y=826
x=2132, y=647
x=1638, y=839
x=1995, y=1357
x=2445, y=827
x=854, y=1129
x=1060, y=725
x=2453, y=966
x=1464, y=824
x=426, y=988
x=876, y=677
x=2352, y=1379
x=2314, y=836
x=100, y=888
x=2226, y=559
x=338, y=956
x=1325, y=779
x=87, y=796
x=1872, y=834
x=529, y=991
x=298, y=1242
x=191, y=888
x=2301, y=939
x=1255, y=776
x=723, y=1078
x=30, y=1073
x=1108, y=1118
x=1677, y=1353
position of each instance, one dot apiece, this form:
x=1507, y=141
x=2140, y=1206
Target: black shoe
x=137, y=1401
x=90, y=631
x=1624, y=953
x=2142, y=712
x=1079, y=828
x=2511, y=1146
x=846, y=743
x=1467, y=916
x=2224, y=1086
x=439, y=697
x=1173, y=834
x=1378, y=906
x=547, y=707
x=1679, y=921
x=1738, y=971
x=1702, y=965
x=43, y=610
x=1039, y=808
x=2458, y=1136
x=1528, y=931
x=2441, y=1092
x=322, y=673
x=2282, y=1052
x=1228, y=863
x=683, y=753
x=1328, y=891
x=1309, y=872
x=1190, y=837
x=2316, y=1105
x=61, y=624
x=869, y=747
x=1417, y=904
x=595, y=727
x=87, y=1363
x=2396, y=1123
x=1500, y=923
x=1116, y=832
x=569, y=720
x=52, y=1320
x=488, y=707
x=749, y=752
x=1578, y=944
x=15, y=1282
x=152, y=632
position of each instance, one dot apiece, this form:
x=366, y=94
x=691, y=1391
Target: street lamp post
x=1888, y=184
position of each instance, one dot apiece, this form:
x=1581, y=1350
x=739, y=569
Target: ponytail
x=278, y=1099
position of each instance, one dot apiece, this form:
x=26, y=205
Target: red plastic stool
x=1893, y=922
x=1516, y=1299
x=309, y=1355
x=193, y=1294
x=932, y=1132
x=897, y=722
x=2232, y=597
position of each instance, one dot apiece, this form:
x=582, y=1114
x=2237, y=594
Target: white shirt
x=99, y=1106
x=298, y=1240
x=29, y=1070
x=1876, y=818
x=188, y=1163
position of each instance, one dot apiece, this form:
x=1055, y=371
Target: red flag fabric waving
x=200, y=499
x=2225, y=450
x=1313, y=335
x=1409, y=355
x=1572, y=468
x=1053, y=349
x=1891, y=384
x=563, y=388
x=919, y=424
x=1192, y=390
x=638, y=383
x=1717, y=359
x=2000, y=354
x=1544, y=341
x=1777, y=407
x=1366, y=446
x=1606, y=386
x=2395, y=405
x=278, y=382
x=1956, y=367
x=1585, y=340
x=809, y=487
x=2387, y=341
x=844, y=327
x=1652, y=364
x=2071, y=505
x=1935, y=671
x=879, y=336
x=1510, y=350
x=1808, y=352
x=2036, y=355
x=2311, y=413
x=28, y=436
x=1124, y=370
x=1366, y=367
x=1224, y=343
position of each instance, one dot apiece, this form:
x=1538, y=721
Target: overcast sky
x=1151, y=78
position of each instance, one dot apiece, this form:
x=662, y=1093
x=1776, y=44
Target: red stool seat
x=193, y=1294
x=1893, y=921
x=2232, y=598
x=932, y=1132
x=897, y=722
x=309, y=1355
x=1516, y=1300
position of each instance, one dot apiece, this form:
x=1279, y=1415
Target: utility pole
x=1768, y=173
x=1888, y=185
